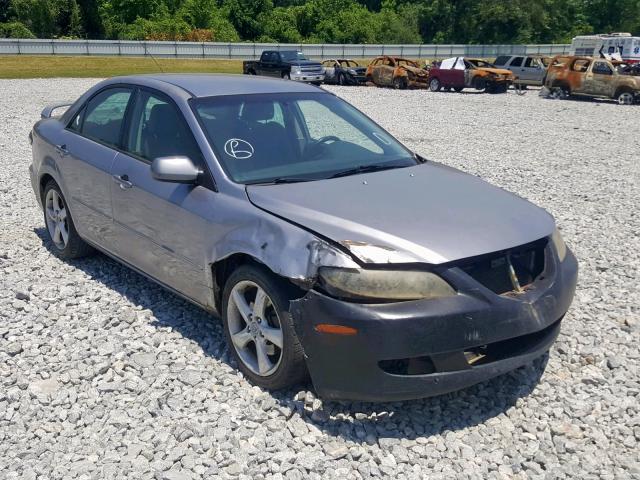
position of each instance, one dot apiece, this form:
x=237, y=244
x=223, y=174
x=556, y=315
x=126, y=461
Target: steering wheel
x=328, y=138
x=314, y=148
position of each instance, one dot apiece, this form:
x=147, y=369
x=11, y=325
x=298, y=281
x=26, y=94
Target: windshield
x=295, y=137
x=292, y=56
x=481, y=64
x=409, y=63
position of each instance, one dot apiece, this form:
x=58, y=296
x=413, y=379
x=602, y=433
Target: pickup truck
x=287, y=64
x=592, y=77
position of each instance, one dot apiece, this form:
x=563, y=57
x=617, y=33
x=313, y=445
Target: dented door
x=600, y=80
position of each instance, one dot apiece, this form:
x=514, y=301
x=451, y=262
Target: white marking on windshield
x=238, y=148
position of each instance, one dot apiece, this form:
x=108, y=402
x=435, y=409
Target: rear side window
x=517, y=61
x=158, y=129
x=104, y=116
x=581, y=65
x=502, y=60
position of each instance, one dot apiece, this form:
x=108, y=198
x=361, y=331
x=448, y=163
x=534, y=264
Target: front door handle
x=62, y=150
x=123, y=181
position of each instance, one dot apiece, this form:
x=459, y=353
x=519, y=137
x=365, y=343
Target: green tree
x=39, y=16
x=245, y=16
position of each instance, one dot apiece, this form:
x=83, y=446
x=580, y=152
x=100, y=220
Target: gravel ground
x=105, y=375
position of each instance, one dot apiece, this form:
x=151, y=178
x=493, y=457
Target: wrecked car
x=344, y=71
x=458, y=73
x=327, y=247
x=397, y=72
x=592, y=77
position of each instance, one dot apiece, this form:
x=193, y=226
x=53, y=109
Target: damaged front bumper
x=416, y=349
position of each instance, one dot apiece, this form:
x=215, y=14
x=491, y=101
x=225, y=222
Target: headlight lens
x=362, y=284
x=296, y=70
x=558, y=242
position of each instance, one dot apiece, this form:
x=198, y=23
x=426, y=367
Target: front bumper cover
x=348, y=367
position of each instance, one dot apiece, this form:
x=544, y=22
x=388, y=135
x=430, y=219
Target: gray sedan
x=327, y=247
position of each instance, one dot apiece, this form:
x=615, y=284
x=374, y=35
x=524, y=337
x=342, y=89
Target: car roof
x=209, y=85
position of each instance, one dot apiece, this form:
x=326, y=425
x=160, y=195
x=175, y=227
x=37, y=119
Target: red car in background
x=458, y=72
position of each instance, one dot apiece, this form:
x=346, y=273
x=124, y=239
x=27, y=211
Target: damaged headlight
x=363, y=284
x=558, y=242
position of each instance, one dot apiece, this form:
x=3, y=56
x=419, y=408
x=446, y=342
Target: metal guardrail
x=253, y=50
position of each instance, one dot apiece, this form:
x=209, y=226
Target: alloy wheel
x=57, y=222
x=255, y=328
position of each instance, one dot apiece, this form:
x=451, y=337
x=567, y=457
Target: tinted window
x=309, y=136
x=517, y=61
x=159, y=130
x=602, y=68
x=104, y=115
x=292, y=56
x=502, y=60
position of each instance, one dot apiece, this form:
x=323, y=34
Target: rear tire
x=254, y=324
x=434, y=85
x=66, y=243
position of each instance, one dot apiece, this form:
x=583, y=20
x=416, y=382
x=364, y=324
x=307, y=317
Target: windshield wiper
x=365, y=169
x=282, y=180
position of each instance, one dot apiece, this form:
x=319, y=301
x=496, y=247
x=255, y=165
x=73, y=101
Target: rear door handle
x=123, y=181
x=62, y=149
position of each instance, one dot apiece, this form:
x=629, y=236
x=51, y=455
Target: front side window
x=517, y=62
x=104, y=116
x=292, y=56
x=295, y=137
x=159, y=130
x=601, y=68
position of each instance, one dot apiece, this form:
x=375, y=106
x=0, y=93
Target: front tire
x=434, y=85
x=259, y=328
x=66, y=242
x=286, y=76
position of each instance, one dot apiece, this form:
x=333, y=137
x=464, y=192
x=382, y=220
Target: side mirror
x=174, y=169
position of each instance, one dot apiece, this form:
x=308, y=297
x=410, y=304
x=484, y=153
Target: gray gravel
x=105, y=375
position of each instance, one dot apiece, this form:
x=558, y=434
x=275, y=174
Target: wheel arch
x=44, y=179
x=222, y=269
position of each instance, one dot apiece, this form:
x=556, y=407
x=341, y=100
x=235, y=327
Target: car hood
x=497, y=71
x=304, y=63
x=428, y=213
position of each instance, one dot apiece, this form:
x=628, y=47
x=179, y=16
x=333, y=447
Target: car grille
x=312, y=69
x=510, y=271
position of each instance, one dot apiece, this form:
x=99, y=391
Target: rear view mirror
x=174, y=169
